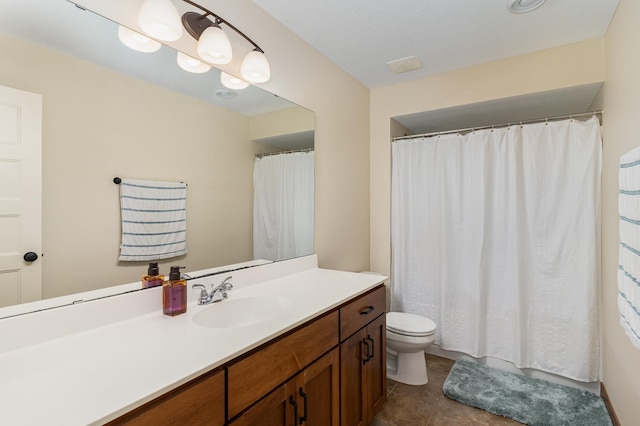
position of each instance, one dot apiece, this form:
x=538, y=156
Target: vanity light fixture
x=137, y=41
x=193, y=65
x=523, y=6
x=213, y=44
x=232, y=82
x=255, y=67
x=160, y=20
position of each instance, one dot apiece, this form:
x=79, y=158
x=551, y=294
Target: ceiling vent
x=409, y=63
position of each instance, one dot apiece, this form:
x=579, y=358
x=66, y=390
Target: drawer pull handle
x=304, y=415
x=372, y=347
x=295, y=409
x=367, y=310
x=366, y=343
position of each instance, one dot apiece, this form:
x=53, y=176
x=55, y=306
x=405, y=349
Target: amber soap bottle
x=174, y=294
x=153, y=277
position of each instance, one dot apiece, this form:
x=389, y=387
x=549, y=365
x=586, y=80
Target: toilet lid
x=410, y=324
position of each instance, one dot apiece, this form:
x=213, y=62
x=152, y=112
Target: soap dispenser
x=174, y=293
x=153, y=277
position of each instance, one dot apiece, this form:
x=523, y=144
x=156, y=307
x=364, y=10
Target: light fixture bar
x=196, y=25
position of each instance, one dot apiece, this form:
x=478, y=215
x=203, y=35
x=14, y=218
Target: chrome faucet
x=217, y=293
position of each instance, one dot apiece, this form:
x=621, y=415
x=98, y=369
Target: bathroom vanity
x=310, y=349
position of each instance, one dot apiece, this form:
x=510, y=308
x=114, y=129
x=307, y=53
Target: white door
x=20, y=196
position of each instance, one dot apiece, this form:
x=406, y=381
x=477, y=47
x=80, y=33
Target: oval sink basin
x=241, y=312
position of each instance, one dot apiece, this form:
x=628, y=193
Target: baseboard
x=607, y=403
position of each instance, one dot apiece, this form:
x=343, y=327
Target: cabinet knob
x=372, y=347
x=367, y=310
x=368, y=351
x=295, y=409
x=304, y=411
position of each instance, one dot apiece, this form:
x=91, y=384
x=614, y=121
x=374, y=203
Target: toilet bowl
x=408, y=335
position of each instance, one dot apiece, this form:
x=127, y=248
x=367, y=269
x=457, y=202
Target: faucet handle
x=225, y=284
x=203, y=291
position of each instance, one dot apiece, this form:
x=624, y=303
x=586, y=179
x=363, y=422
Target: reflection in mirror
x=111, y=111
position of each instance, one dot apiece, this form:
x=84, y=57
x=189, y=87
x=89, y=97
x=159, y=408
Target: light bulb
x=191, y=64
x=255, y=67
x=214, y=46
x=137, y=41
x=160, y=20
x=232, y=82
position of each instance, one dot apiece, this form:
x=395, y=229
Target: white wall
x=621, y=361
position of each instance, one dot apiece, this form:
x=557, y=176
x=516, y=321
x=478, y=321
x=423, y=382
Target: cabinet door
x=310, y=398
x=352, y=379
x=251, y=378
x=375, y=390
x=318, y=392
x=276, y=409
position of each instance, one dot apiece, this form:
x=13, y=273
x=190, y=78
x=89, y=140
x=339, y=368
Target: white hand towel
x=154, y=220
x=629, y=252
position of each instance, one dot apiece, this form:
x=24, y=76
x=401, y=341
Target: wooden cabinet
x=273, y=410
x=309, y=398
x=254, y=376
x=198, y=402
x=327, y=372
x=363, y=379
x=318, y=392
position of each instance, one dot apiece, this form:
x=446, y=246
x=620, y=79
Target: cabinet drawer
x=361, y=311
x=200, y=401
x=259, y=373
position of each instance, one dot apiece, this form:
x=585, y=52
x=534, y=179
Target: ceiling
x=554, y=103
x=361, y=36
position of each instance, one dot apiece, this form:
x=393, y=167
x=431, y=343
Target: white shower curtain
x=283, y=205
x=495, y=237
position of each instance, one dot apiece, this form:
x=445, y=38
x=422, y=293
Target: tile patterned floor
x=428, y=406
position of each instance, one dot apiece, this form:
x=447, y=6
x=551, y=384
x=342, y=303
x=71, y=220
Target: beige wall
x=284, y=122
x=572, y=65
x=299, y=74
x=621, y=361
x=302, y=75
x=98, y=124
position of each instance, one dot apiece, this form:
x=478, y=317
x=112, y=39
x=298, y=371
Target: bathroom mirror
x=109, y=111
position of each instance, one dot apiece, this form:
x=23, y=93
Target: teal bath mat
x=530, y=401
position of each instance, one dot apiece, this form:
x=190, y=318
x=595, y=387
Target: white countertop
x=95, y=375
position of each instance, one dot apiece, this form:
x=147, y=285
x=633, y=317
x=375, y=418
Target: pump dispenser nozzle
x=153, y=268
x=174, y=275
x=153, y=277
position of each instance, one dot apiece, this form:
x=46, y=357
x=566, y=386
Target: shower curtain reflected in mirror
x=496, y=236
x=283, y=186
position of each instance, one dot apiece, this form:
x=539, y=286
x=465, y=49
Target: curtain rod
x=268, y=154
x=497, y=126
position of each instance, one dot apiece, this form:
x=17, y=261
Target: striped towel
x=154, y=220
x=629, y=255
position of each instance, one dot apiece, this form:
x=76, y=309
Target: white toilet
x=408, y=335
